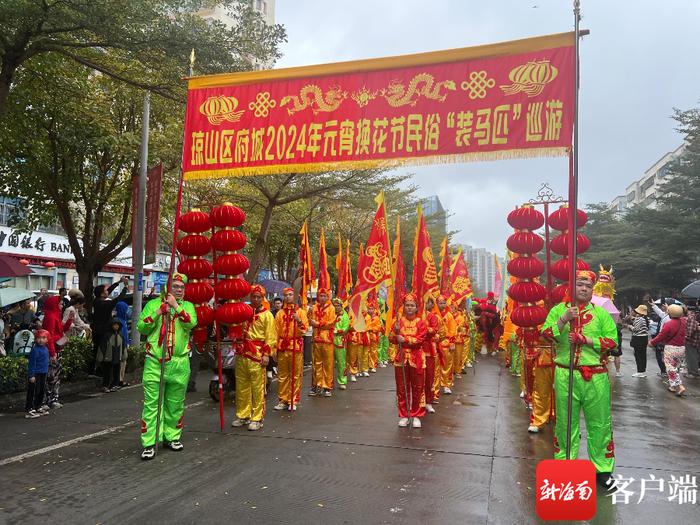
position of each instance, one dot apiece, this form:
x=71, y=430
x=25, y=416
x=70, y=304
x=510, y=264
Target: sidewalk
x=336, y=460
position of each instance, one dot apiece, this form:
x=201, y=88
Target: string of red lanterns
x=559, y=220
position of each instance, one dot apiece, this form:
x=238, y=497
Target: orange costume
x=444, y=365
x=374, y=328
x=409, y=365
x=356, y=341
x=322, y=319
x=290, y=352
x=460, y=340
x=430, y=353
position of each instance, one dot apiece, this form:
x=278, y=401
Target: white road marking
x=73, y=441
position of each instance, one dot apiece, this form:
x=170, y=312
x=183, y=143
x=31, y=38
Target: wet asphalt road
x=337, y=460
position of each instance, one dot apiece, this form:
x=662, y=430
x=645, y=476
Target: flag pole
x=573, y=218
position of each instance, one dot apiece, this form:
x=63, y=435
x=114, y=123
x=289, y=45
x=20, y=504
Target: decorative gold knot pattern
x=262, y=105
x=478, y=84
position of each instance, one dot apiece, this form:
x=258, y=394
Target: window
x=631, y=196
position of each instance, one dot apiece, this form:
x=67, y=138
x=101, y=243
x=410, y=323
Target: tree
x=143, y=43
x=69, y=140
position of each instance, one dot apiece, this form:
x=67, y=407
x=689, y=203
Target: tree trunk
x=256, y=258
x=86, y=277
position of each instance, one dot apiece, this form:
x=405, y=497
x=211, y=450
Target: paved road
x=337, y=460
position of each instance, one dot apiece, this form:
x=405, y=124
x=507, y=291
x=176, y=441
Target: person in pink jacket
x=672, y=335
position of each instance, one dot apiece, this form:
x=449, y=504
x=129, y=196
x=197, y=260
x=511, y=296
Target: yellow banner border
x=525, y=45
x=317, y=167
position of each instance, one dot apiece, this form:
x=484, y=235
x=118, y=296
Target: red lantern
x=525, y=242
x=525, y=267
x=560, y=244
x=205, y=315
x=230, y=289
x=195, y=268
x=234, y=313
x=24, y=262
x=228, y=241
x=227, y=216
x=195, y=221
x=528, y=316
x=526, y=218
x=49, y=264
x=559, y=293
x=194, y=245
x=198, y=292
x=527, y=292
x=231, y=264
x=559, y=219
x=561, y=269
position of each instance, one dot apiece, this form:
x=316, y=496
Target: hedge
x=76, y=357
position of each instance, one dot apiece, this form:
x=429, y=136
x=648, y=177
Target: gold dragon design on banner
x=531, y=78
x=430, y=275
x=460, y=285
x=311, y=96
x=218, y=109
x=422, y=85
x=379, y=266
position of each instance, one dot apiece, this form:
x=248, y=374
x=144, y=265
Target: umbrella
x=12, y=295
x=11, y=267
x=692, y=290
x=274, y=287
x=607, y=305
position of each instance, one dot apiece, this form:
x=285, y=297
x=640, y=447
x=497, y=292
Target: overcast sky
x=639, y=62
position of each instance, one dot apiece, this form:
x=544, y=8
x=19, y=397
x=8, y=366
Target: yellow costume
x=323, y=321
x=290, y=351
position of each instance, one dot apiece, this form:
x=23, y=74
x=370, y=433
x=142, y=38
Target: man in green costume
x=593, y=333
x=181, y=318
x=342, y=324
x=383, y=351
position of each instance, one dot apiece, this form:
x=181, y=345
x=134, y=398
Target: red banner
x=460, y=282
x=154, y=185
x=507, y=100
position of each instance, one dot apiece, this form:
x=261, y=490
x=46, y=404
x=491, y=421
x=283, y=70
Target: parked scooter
x=228, y=361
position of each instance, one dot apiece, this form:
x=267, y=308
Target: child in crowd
x=111, y=353
x=37, y=370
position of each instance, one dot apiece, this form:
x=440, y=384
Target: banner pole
x=573, y=220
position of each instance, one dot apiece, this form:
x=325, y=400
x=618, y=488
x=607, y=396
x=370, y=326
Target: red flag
x=445, y=265
x=425, y=283
x=340, y=263
x=324, y=278
x=308, y=275
x=397, y=291
x=460, y=282
x=374, y=266
x=348, y=270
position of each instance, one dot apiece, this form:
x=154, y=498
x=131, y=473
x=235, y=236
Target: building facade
x=645, y=191
x=482, y=267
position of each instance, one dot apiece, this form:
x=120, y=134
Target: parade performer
x=290, y=323
x=470, y=340
x=364, y=349
x=174, y=334
x=430, y=353
x=253, y=351
x=383, y=351
x=542, y=370
x=491, y=321
x=322, y=319
x=374, y=328
x=478, y=332
x=447, y=330
x=460, y=338
x=593, y=332
x=406, y=353
x=355, y=342
x=342, y=324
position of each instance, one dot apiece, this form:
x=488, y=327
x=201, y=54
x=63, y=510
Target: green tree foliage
x=655, y=250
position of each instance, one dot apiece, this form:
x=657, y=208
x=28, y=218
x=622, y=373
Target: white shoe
x=342, y=387
x=353, y=378
x=373, y=370
x=33, y=414
x=619, y=374
x=522, y=395
x=484, y=351
x=429, y=409
x=639, y=374
x=269, y=374
x=382, y=365
x=56, y=404
x=327, y=393
x=446, y=390
x=416, y=422
x=292, y=408
x=280, y=406
x=469, y=365
x=458, y=376
x=493, y=354
x=238, y=422
x=255, y=425
x=403, y=422
x=365, y=373
x=533, y=429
